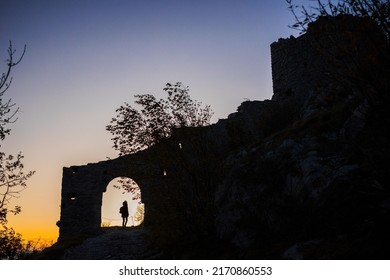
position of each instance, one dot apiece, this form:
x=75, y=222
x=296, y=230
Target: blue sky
x=85, y=58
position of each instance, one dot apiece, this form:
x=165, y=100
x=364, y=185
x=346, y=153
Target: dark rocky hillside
x=317, y=187
x=302, y=176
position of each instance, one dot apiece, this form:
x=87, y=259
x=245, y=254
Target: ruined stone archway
x=113, y=198
x=172, y=175
x=83, y=188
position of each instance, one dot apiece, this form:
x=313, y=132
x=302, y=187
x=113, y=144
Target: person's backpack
x=121, y=210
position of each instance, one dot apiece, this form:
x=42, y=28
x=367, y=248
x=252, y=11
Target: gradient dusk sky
x=86, y=58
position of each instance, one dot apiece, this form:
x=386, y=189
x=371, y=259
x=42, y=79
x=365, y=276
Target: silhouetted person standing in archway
x=124, y=210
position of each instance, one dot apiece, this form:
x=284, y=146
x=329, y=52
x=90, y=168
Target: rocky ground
x=114, y=243
x=302, y=176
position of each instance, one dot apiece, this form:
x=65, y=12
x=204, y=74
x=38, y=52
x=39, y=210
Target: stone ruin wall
x=83, y=188
x=294, y=67
x=164, y=173
x=300, y=66
x=297, y=70
x=333, y=55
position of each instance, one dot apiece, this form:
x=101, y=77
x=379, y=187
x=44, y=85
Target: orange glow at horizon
x=84, y=60
x=37, y=225
x=40, y=204
x=43, y=235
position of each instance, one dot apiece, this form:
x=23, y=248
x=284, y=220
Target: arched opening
x=119, y=190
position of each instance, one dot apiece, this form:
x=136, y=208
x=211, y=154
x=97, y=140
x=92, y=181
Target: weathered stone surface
x=332, y=56
x=83, y=188
x=166, y=165
x=297, y=176
x=115, y=243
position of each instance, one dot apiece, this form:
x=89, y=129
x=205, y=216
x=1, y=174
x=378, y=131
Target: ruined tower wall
x=178, y=181
x=333, y=55
x=296, y=67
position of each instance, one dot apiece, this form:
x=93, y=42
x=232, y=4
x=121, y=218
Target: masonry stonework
x=83, y=188
x=334, y=54
x=179, y=176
